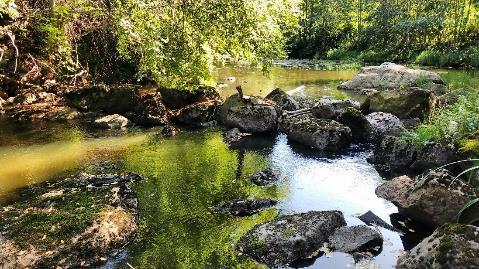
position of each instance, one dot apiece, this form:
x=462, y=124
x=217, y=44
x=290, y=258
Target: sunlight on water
x=26, y=165
x=254, y=82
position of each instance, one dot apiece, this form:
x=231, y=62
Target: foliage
x=8, y=8
x=439, y=33
x=471, y=204
x=177, y=42
x=450, y=125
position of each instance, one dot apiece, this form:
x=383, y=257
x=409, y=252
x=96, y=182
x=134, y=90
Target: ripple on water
x=346, y=184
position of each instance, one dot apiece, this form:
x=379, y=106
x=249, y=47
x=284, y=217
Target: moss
x=45, y=223
x=469, y=147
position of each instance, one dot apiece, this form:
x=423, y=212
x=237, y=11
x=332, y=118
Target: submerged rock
x=355, y=239
x=250, y=114
x=235, y=135
x=114, y=121
x=290, y=238
x=283, y=100
x=263, y=178
x=382, y=124
x=451, y=246
x=433, y=204
x=77, y=222
x=245, y=207
x=328, y=135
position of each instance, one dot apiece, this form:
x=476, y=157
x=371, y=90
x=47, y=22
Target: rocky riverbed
x=98, y=213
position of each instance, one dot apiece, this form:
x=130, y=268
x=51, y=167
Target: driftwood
x=298, y=112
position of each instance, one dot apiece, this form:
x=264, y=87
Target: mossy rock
x=75, y=222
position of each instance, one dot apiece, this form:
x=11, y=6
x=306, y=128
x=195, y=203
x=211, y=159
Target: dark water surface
x=188, y=174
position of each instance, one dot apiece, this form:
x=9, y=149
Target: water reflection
x=27, y=165
x=254, y=82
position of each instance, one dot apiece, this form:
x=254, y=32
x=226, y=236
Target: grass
x=457, y=58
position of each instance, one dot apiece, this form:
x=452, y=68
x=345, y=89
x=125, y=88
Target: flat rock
x=327, y=135
x=250, y=114
x=290, y=238
x=355, y=239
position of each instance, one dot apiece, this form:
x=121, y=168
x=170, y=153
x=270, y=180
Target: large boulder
x=290, y=238
x=250, y=114
x=390, y=76
x=149, y=111
x=283, y=100
x=111, y=100
x=328, y=135
x=434, y=155
x=176, y=99
x=198, y=113
x=382, y=124
x=452, y=246
x=355, y=239
x=403, y=103
x=393, y=155
x=433, y=204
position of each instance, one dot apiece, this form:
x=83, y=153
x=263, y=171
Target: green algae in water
x=185, y=177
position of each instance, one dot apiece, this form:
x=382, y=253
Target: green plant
x=469, y=205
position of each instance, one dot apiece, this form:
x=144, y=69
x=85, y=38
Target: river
x=188, y=174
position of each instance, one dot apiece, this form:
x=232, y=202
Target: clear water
x=188, y=174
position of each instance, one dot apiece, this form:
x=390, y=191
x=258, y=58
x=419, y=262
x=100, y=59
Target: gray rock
x=283, y=100
x=290, y=238
x=382, y=124
x=392, y=76
x=451, y=246
x=250, y=114
x=114, y=121
x=245, y=207
x=327, y=135
x=355, y=239
x=393, y=155
x=329, y=108
x=433, y=204
x=433, y=155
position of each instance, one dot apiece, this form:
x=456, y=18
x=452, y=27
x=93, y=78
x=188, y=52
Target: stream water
x=188, y=174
